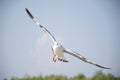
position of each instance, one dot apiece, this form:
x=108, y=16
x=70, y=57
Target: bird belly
x=58, y=50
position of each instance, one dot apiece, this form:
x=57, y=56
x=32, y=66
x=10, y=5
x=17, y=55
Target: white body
x=58, y=50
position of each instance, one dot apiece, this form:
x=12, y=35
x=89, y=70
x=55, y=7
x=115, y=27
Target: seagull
x=58, y=49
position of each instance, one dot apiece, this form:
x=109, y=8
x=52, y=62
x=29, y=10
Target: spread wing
x=43, y=28
x=83, y=58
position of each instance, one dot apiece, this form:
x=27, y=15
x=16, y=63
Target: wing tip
x=102, y=67
x=28, y=12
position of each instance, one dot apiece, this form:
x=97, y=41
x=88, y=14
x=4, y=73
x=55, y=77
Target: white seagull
x=58, y=49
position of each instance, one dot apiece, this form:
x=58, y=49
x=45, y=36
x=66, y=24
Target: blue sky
x=89, y=27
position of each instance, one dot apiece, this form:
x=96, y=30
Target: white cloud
x=42, y=59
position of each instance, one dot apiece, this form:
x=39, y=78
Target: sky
x=89, y=27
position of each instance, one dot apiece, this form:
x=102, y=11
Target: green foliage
x=109, y=77
x=55, y=77
x=5, y=79
x=99, y=75
x=78, y=77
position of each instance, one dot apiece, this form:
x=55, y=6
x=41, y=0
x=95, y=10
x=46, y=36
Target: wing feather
x=43, y=28
x=83, y=58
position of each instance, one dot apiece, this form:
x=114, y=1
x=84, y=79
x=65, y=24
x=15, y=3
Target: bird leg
x=55, y=58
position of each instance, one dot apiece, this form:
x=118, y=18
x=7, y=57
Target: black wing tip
x=26, y=9
x=28, y=12
x=102, y=67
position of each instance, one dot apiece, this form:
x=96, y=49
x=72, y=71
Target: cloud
x=41, y=43
x=42, y=59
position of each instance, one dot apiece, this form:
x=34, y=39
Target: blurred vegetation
x=99, y=75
